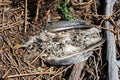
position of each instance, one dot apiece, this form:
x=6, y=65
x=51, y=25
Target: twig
x=11, y=25
x=108, y=29
x=25, y=15
x=95, y=7
x=96, y=68
x=37, y=11
x=3, y=17
x=47, y=13
x=29, y=74
x=79, y=3
x=111, y=51
x=60, y=72
x=38, y=56
x=116, y=12
x=6, y=73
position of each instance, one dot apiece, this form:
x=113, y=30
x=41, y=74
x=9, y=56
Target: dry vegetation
x=20, y=19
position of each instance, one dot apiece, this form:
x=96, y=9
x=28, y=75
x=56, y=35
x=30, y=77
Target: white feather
x=69, y=48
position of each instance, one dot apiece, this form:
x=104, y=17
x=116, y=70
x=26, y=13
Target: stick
x=111, y=49
x=29, y=74
x=25, y=15
x=37, y=10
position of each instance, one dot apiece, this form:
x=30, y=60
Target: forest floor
x=20, y=19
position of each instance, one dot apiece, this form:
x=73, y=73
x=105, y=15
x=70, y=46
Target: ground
x=20, y=19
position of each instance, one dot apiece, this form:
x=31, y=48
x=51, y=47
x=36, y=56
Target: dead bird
x=67, y=42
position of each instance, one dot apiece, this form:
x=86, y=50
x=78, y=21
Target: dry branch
x=111, y=51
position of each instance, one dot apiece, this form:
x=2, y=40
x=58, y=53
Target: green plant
x=64, y=10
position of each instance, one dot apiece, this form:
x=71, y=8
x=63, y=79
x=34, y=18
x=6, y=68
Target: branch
x=111, y=49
